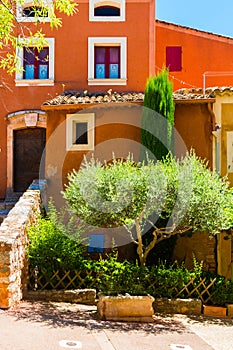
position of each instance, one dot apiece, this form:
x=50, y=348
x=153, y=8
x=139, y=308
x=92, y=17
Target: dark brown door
x=29, y=145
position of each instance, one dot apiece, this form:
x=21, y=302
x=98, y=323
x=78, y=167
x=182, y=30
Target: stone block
x=214, y=311
x=229, y=310
x=126, y=308
x=178, y=306
x=81, y=296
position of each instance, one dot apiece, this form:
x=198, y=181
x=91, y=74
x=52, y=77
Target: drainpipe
x=215, y=143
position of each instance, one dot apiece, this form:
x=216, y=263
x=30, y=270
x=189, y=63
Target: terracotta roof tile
x=192, y=94
x=210, y=92
x=85, y=97
x=78, y=97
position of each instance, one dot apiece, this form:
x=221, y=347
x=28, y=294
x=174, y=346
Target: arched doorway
x=26, y=138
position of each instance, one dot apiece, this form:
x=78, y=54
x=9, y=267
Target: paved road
x=58, y=326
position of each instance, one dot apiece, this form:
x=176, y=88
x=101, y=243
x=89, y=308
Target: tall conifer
x=157, y=130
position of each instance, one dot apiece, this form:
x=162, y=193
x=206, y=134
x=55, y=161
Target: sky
x=209, y=15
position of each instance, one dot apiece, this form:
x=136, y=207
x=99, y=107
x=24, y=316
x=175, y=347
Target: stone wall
x=178, y=306
x=82, y=296
x=13, y=243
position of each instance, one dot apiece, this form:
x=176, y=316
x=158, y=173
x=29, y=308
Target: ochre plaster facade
x=146, y=42
x=206, y=57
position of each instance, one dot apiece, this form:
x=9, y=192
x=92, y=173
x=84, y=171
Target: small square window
x=95, y=243
x=174, y=58
x=80, y=132
x=81, y=137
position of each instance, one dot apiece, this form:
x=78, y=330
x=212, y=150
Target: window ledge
x=107, y=81
x=34, y=82
x=72, y=148
x=107, y=19
x=34, y=19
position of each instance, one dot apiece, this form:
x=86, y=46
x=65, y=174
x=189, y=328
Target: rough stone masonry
x=13, y=243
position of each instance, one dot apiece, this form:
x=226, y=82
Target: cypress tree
x=157, y=128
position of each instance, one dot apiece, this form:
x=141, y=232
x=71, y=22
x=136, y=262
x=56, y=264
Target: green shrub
x=54, y=245
x=222, y=292
x=167, y=281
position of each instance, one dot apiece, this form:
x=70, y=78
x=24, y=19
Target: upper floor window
x=107, y=11
x=36, y=63
x=107, y=59
x=35, y=67
x=31, y=11
x=174, y=58
x=107, y=62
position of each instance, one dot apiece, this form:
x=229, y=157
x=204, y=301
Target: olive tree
x=182, y=194
x=12, y=29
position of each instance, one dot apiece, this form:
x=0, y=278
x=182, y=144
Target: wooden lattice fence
x=200, y=288
x=39, y=280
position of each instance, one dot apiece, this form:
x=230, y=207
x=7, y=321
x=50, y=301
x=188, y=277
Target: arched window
x=107, y=11
x=34, y=11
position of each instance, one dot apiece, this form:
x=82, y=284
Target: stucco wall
x=201, y=52
x=227, y=125
x=193, y=123
x=71, y=63
x=117, y=130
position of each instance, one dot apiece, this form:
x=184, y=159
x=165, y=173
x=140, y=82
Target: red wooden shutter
x=174, y=58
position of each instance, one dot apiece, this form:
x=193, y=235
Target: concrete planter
x=126, y=308
x=178, y=306
x=215, y=311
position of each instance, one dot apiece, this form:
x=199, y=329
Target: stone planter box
x=178, y=306
x=215, y=311
x=126, y=308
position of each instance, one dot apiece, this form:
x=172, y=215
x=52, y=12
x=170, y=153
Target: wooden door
x=29, y=145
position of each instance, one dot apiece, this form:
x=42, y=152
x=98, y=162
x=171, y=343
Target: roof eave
x=81, y=106
x=194, y=101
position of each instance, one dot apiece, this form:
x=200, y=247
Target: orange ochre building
x=104, y=55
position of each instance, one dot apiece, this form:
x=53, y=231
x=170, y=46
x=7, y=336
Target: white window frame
x=20, y=81
x=107, y=41
x=116, y=3
x=27, y=3
x=71, y=121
